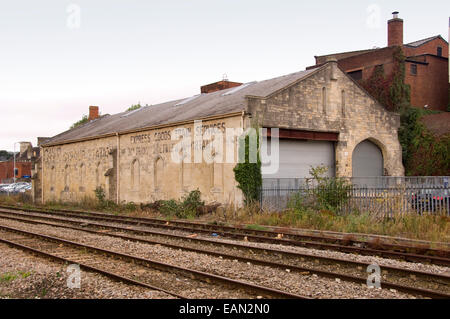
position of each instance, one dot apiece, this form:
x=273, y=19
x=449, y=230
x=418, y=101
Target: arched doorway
x=367, y=160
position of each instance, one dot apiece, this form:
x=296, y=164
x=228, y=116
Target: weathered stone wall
x=148, y=173
x=138, y=167
x=146, y=170
x=73, y=171
x=330, y=101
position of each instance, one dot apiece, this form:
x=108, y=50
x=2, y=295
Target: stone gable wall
x=356, y=117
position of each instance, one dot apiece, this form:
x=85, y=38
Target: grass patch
x=256, y=227
x=8, y=277
x=24, y=274
x=422, y=227
x=11, y=276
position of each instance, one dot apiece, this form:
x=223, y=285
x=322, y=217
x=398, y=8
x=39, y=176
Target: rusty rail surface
x=435, y=256
x=252, y=289
x=441, y=279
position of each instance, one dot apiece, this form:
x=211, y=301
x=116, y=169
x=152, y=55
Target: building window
x=356, y=75
x=414, y=69
x=439, y=51
x=343, y=103
x=324, y=100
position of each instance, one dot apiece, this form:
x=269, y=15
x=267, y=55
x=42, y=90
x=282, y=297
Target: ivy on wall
x=390, y=90
x=247, y=174
x=424, y=154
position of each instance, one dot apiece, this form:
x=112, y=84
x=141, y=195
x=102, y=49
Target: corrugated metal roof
x=204, y=106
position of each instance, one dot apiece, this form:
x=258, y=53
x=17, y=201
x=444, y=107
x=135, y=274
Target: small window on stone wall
x=324, y=100
x=413, y=69
x=343, y=103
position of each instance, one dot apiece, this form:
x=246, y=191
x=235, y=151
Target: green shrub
x=131, y=206
x=417, y=140
x=100, y=194
x=103, y=203
x=330, y=193
x=169, y=208
x=187, y=208
x=192, y=203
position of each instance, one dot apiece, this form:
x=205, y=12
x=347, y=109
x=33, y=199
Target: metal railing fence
x=384, y=197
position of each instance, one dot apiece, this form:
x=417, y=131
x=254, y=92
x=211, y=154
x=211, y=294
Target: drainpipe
x=118, y=170
x=42, y=174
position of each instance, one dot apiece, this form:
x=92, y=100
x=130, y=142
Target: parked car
x=431, y=200
x=20, y=187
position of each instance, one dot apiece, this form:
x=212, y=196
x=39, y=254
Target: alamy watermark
x=226, y=145
x=73, y=20
x=74, y=278
x=374, y=278
x=373, y=20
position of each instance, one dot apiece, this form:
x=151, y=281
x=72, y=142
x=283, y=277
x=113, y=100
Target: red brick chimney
x=93, y=113
x=395, y=30
x=219, y=86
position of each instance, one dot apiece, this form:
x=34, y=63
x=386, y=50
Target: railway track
x=401, y=252
x=144, y=272
x=414, y=282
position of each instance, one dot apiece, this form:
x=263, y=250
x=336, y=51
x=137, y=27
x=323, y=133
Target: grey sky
x=132, y=51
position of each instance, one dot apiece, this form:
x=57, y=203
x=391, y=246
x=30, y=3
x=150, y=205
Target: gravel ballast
x=304, y=284
x=23, y=275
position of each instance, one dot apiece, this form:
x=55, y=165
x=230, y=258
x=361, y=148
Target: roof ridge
x=418, y=43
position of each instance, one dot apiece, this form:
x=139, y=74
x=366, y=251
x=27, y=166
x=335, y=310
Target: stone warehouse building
x=323, y=115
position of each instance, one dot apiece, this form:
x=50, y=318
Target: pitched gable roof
x=418, y=43
x=203, y=106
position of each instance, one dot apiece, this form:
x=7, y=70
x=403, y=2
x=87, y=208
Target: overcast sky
x=58, y=57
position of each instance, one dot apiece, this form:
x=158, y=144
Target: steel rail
x=346, y=277
x=87, y=267
x=245, y=236
x=199, y=275
x=322, y=242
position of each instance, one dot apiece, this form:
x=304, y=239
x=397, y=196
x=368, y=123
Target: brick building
x=426, y=65
x=324, y=118
x=24, y=162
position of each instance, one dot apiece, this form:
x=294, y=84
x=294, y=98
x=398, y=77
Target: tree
x=83, y=120
x=5, y=155
x=134, y=107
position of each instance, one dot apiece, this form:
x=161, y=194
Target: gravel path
x=305, y=284
x=23, y=275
